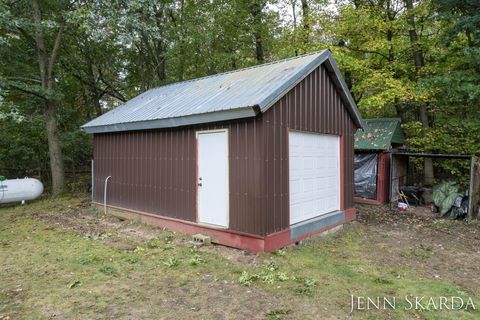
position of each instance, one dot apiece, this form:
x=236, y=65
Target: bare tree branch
x=24, y=79
x=39, y=41
x=368, y=51
x=56, y=47
x=36, y=94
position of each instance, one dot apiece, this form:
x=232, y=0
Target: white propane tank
x=20, y=190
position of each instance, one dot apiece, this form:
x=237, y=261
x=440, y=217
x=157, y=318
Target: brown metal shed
x=162, y=148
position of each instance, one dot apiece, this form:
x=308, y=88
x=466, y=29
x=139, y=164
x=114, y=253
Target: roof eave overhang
x=216, y=116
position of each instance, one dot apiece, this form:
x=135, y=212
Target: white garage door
x=314, y=175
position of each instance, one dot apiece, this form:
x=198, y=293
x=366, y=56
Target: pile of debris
x=445, y=199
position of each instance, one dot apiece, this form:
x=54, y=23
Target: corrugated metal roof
x=379, y=134
x=231, y=95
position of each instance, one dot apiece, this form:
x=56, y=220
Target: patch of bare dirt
x=127, y=234
x=239, y=256
x=434, y=247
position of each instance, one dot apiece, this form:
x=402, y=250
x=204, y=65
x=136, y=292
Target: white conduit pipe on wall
x=105, y=195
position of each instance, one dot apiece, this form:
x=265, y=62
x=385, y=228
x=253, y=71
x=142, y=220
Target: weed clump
x=171, y=262
x=108, y=270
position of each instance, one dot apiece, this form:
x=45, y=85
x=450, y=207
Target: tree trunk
x=46, y=65
x=256, y=12
x=160, y=48
x=54, y=150
x=181, y=68
x=294, y=18
x=419, y=63
x=306, y=23
x=95, y=95
x=259, y=47
x=391, y=56
x=160, y=67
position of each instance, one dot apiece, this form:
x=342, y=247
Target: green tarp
x=445, y=197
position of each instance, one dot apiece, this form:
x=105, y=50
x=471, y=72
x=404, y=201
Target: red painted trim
x=288, y=172
x=228, y=237
x=196, y=175
x=366, y=201
x=342, y=172
x=379, y=177
x=383, y=175
x=350, y=214
x=277, y=240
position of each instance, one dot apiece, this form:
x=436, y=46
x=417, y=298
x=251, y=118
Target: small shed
x=373, y=147
x=256, y=158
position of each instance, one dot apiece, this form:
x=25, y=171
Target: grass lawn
x=58, y=260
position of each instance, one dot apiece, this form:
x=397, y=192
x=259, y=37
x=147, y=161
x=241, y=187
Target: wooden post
x=474, y=207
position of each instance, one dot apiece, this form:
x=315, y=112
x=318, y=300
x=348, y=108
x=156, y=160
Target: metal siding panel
x=140, y=202
x=233, y=170
x=258, y=181
x=162, y=167
x=192, y=177
x=328, y=108
x=175, y=172
x=279, y=151
x=252, y=196
x=243, y=172
x=130, y=167
x=240, y=176
x=182, y=183
x=148, y=171
x=100, y=165
x=155, y=172
x=323, y=109
x=141, y=171
x=138, y=169
x=310, y=95
x=135, y=169
x=151, y=166
x=145, y=172
x=112, y=183
x=96, y=163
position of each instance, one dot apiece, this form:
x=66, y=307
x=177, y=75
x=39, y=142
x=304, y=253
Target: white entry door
x=212, y=195
x=314, y=175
